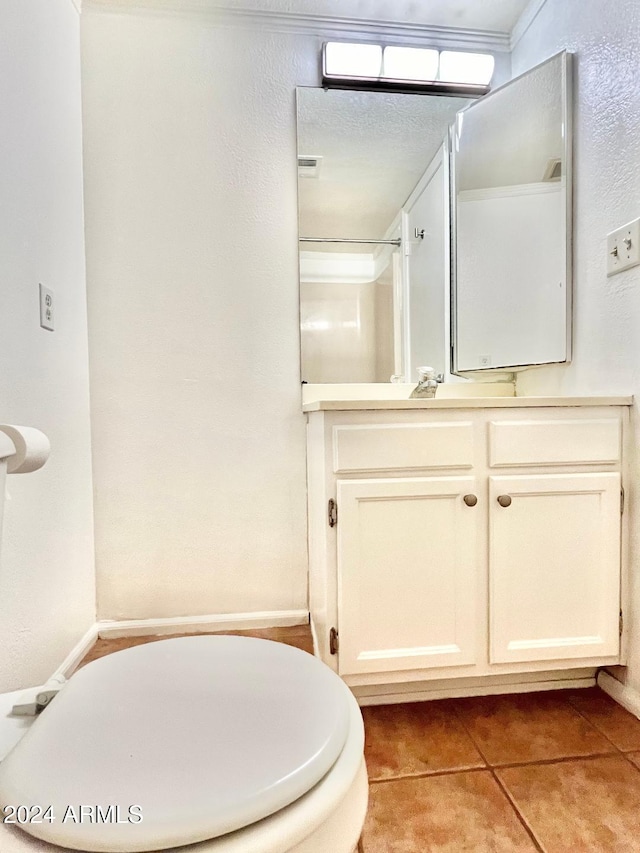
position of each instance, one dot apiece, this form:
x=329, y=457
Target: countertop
x=463, y=403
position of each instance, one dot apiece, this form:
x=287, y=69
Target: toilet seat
x=206, y=734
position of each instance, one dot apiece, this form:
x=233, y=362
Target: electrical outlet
x=46, y=308
x=623, y=248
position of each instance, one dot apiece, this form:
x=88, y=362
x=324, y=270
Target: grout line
x=466, y=728
x=598, y=729
x=428, y=774
x=543, y=762
x=632, y=763
x=525, y=824
x=511, y=802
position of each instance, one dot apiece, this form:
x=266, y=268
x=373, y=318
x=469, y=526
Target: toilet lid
x=176, y=741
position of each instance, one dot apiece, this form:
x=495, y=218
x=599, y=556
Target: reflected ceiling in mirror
x=360, y=154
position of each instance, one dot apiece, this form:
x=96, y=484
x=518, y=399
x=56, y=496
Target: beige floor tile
x=454, y=813
x=416, y=738
x=529, y=727
x=582, y=806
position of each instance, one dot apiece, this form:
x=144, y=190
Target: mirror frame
x=567, y=120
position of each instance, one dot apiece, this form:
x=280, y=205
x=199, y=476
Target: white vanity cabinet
x=406, y=573
x=454, y=540
x=554, y=566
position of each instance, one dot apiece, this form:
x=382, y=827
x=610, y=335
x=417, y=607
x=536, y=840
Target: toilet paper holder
x=30, y=451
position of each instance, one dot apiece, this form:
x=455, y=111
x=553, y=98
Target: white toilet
x=228, y=744
x=203, y=744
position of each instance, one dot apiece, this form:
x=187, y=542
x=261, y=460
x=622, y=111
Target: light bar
x=353, y=60
x=392, y=68
x=457, y=67
x=410, y=63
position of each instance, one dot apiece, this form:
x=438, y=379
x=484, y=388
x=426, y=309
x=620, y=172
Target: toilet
x=203, y=744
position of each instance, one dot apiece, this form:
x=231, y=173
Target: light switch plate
x=623, y=248
x=46, y=308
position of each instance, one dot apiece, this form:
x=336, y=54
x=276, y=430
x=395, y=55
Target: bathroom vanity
x=466, y=543
x=457, y=545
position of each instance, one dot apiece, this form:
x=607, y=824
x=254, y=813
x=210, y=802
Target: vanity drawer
x=555, y=442
x=393, y=447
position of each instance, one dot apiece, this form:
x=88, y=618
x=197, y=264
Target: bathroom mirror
x=511, y=192
x=372, y=172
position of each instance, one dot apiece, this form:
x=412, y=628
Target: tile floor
x=557, y=772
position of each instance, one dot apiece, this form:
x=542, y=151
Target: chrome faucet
x=427, y=383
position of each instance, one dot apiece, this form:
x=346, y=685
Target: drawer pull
x=470, y=500
x=504, y=500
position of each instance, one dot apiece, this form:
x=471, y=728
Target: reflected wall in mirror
x=372, y=167
x=512, y=223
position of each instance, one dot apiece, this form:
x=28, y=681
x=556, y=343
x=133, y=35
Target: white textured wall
x=199, y=439
x=47, y=598
x=606, y=40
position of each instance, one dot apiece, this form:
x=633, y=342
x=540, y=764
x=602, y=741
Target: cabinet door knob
x=470, y=500
x=504, y=500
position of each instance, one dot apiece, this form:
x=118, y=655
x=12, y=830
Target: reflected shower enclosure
x=361, y=155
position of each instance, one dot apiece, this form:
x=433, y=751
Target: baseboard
x=449, y=692
x=201, y=624
x=622, y=693
x=77, y=653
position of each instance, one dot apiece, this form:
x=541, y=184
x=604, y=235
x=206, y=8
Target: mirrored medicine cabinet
x=435, y=230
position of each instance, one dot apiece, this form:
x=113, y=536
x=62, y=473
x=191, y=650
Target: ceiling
x=374, y=148
x=497, y=17
x=493, y=15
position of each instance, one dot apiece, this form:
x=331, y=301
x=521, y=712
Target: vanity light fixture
x=353, y=60
x=458, y=67
x=393, y=68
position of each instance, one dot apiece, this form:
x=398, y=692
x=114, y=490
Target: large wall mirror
x=512, y=223
x=374, y=229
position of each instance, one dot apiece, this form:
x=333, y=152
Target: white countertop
x=463, y=403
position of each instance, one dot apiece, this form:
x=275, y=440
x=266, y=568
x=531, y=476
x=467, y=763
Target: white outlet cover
x=623, y=248
x=46, y=308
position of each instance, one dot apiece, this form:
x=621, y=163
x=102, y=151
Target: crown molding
x=525, y=20
x=323, y=26
x=515, y=191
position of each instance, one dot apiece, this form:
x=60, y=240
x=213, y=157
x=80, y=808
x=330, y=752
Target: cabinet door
x=554, y=567
x=407, y=571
